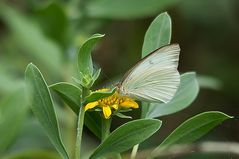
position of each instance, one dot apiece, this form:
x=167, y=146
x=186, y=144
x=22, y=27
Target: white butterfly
x=155, y=78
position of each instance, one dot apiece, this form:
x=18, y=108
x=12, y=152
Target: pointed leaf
x=42, y=106
x=70, y=93
x=158, y=34
x=96, y=75
x=94, y=96
x=85, y=65
x=126, y=136
x=193, y=129
x=185, y=95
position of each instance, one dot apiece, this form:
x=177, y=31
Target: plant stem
x=134, y=151
x=118, y=156
x=105, y=128
x=105, y=132
x=79, y=132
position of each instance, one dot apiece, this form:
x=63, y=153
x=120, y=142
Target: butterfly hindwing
x=155, y=78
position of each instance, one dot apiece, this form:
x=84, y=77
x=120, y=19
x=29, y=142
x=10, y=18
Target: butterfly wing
x=155, y=78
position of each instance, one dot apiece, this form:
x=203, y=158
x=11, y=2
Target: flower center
x=111, y=100
x=112, y=103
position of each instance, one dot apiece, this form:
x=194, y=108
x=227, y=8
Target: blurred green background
x=49, y=34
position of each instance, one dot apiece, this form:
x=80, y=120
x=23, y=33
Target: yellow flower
x=113, y=102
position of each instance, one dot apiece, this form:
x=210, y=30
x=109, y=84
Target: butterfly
x=155, y=78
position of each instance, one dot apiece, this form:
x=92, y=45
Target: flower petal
x=106, y=111
x=129, y=104
x=115, y=106
x=91, y=105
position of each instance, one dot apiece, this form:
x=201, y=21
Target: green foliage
x=9, y=84
x=126, y=136
x=93, y=119
x=193, y=129
x=70, y=93
x=54, y=22
x=96, y=75
x=53, y=31
x=31, y=137
x=120, y=115
x=94, y=123
x=94, y=96
x=126, y=9
x=85, y=65
x=209, y=82
x=12, y=115
x=42, y=106
x=33, y=154
x=37, y=45
x=158, y=34
x=185, y=95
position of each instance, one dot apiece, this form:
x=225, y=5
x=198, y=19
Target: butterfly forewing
x=155, y=78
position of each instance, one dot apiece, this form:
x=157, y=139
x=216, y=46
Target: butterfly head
x=121, y=90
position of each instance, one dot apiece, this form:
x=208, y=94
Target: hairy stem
x=79, y=132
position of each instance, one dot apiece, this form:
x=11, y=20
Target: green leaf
x=42, y=106
x=144, y=109
x=185, y=95
x=193, y=129
x=126, y=9
x=70, y=93
x=121, y=115
x=126, y=136
x=77, y=81
x=94, y=96
x=32, y=136
x=8, y=83
x=33, y=154
x=209, y=82
x=50, y=18
x=93, y=121
x=31, y=39
x=13, y=111
x=85, y=65
x=96, y=75
x=158, y=34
